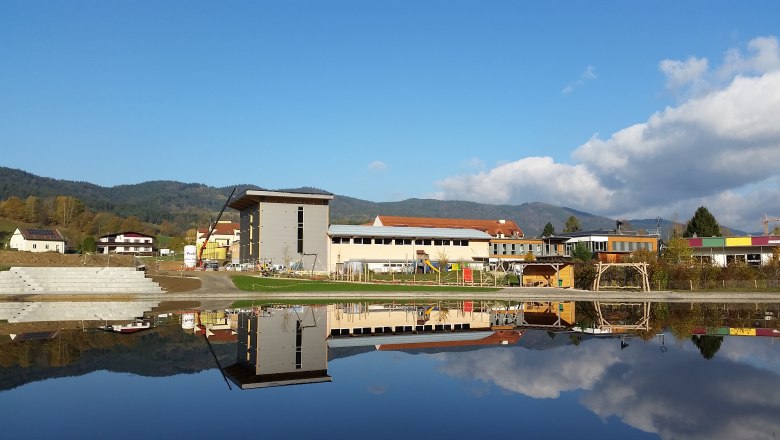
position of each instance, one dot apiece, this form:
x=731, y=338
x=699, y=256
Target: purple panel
x=760, y=241
x=767, y=332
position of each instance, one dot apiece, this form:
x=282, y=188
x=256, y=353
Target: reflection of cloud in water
x=377, y=389
x=685, y=396
x=530, y=373
x=677, y=394
x=760, y=352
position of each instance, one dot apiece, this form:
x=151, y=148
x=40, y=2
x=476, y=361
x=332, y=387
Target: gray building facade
x=284, y=228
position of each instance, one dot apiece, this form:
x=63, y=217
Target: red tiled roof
x=508, y=228
x=221, y=229
x=498, y=337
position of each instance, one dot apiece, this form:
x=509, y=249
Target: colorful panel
x=713, y=242
x=738, y=241
x=742, y=331
x=768, y=332
x=694, y=242
x=759, y=241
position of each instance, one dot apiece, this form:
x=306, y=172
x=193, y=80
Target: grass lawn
x=257, y=284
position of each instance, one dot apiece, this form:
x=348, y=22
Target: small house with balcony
x=128, y=243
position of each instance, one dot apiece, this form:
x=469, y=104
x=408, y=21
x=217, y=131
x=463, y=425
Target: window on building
x=403, y=241
x=422, y=242
x=298, y=345
x=300, y=229
x=441, y=242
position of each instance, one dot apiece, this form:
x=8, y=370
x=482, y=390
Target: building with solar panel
x=37, y=240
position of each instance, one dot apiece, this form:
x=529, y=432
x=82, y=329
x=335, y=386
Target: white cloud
x=473, y=163
x=710, y=150
x=684, y=73
x=377, y=165
x=511, y=369
x=589, y=74
x=539, y=178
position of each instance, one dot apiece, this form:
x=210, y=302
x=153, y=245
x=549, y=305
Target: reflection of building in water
x=394, y=326
x=281, y=346
x=217, y=325
x=375, y=319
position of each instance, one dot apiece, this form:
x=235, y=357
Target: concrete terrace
x=76, y=280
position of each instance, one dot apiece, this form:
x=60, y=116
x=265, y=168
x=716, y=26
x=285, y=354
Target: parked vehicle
x=211, y=265
x=247, y=267
x=234, y=266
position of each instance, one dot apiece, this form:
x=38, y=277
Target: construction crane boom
x=768, y=219
x=213, y=226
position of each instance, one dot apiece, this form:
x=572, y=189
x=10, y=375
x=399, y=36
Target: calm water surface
x=440, y=369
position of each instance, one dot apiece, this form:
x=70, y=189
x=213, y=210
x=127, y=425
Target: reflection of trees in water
x=708, y=345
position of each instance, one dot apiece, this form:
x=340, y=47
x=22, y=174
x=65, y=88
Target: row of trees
x=80, y=224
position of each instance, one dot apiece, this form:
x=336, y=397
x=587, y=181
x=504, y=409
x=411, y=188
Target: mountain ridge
x=191, y=204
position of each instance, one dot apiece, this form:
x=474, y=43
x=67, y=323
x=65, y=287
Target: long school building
x=388, y=248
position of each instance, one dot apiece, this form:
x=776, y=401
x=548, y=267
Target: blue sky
x=624, y=109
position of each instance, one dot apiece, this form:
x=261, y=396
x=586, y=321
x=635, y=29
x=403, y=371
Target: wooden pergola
x=640, y=267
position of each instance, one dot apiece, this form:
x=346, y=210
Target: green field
x=256, y=284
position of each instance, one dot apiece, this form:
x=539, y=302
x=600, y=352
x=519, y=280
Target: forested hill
x=152, y=202
x=531, y=217
x=188, y=204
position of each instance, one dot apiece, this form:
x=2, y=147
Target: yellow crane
x=768, y=219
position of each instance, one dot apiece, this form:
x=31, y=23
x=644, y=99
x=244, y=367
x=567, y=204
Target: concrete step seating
x=74, y=280
x=74, y=311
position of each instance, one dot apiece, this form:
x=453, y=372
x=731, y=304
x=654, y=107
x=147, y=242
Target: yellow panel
x=742, y=331
x=738, y=241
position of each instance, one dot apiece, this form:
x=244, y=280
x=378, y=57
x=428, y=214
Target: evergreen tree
x=89, y=244
x=702, y=224
x=581, y=252
x=548, y=231
x=572, y=225
x=707, y=345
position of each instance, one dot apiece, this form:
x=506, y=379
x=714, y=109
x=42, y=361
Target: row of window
x=132, y=249
x=630, y=246
x=515, y=249
x=398, y=241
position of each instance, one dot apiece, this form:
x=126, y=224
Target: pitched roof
x=41, y=234
x=495, y=228
x=126, y=234
x=222, y=229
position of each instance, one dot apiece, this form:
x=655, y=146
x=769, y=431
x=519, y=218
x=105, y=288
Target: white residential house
x=37, y=240
x=132, y=243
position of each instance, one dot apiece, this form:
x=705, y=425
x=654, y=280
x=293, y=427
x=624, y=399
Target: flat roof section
x=406, y=232
x=251, y=197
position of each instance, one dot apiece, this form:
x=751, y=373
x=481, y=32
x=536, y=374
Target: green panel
x=713, y=242
x=722, y=331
